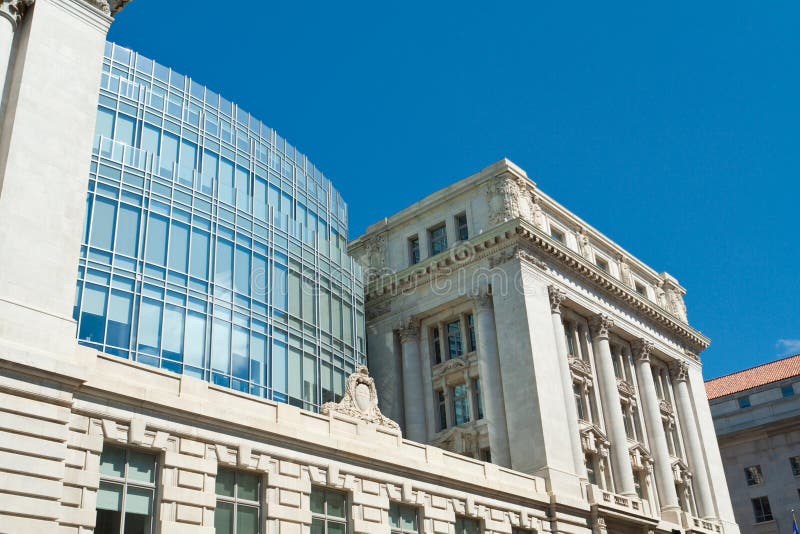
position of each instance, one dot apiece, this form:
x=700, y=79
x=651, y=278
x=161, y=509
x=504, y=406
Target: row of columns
x=622, y=471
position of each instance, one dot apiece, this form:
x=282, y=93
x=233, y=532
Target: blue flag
x=794, y=528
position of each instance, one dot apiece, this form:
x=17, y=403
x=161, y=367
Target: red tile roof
x=753, y=377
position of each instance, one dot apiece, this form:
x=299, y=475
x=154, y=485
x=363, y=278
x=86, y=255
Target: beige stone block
x=441, y=527
x=370, y=527
x=190, y=479
x=289, y=498
x=369, y=513
x=189, y=514
x=79, y=477
x=111, y=431
x=188, y=496
x=174, y=527
x=78, y=516
x=290, y=527
x=376, y=501
x=45, y=468
x=290, y=469
x=13, y=524
x=25, y=484
x=76, y=458
x=33, y=445
x=136, y=431
x=71, y=495
x=297, y=484
x=190, y=463
x=34, y=408
x=24, y=424
x=288, y=513
x=89, y=442
x=79, y=423
x=26, y=505
x=370, y=486
x=192, y=447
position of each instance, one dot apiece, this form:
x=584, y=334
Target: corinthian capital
x=14, y=10
x=557, y=296
x=600, y=325
x=642, y=349
x=409, y=331
x=680, y=371
x=482, y=302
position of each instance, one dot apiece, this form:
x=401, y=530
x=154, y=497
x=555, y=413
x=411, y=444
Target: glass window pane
x=294, y=372
x=248, y=486
x=226, y=181
x=258, y=359
x=317, y=526
x=279, y=366
x=139, y=502
x=246, y=520
x=112, y=461
x=336, y=528
x=220, y=346
x=195, y=339
x=124, y=130
x=225, y=482
x=409, y=518
x=156, y=248
x=317, y=501
x=336, y=502
x=128, y=235
x=173, y=332
x=241, y=352
x=150, y=138
x=279, y=288
x=223, y=273
x=141, y=466
x=242, y=271
x=103, y=216
x=93, y=314
x=109, y=496
x=118, y=330
x=223, y=518
x=169, y=149
x=178, y=246
x=199, y=256
x=105, y=123
x=149, y=326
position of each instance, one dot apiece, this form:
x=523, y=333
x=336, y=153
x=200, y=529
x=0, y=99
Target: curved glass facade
x=212, y=247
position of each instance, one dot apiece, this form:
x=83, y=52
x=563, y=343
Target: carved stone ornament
x=457, y=362
x=600, y=325
x=537, y=213
x=642, y=349
x=14, y=10
x=557, y=296
x=624, y=270
x=680, y=371
x=482, y=302
x=625, y=388
x=376, y=252
x=409, y=331
x=583, y=243
x=665, y=407
x=580, y=366
x=508, y=199
x=360, y=400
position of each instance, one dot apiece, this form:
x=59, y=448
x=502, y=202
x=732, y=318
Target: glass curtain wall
x=211, y=246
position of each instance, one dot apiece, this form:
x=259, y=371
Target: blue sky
x=672, y=128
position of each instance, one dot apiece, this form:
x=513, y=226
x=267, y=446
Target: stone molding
x=360, y=400
x=557, y=296
x=601, y=325
x=506, y=199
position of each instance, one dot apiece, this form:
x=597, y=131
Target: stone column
x=668, y=497
x=557, y=296
x=694, y=450
x=612, y=408
x=494, y=410
x=413, y=399
x=11, y=13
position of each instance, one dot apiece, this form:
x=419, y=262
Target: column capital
x=680, y=371
x=14, y=10
x=600, y=325
x=409, y=331
x=482, y=301
x=557, y=296
x=642, y=349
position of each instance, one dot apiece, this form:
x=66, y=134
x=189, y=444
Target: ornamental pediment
x=594, y=440
x=640, y=456
x=579, y=366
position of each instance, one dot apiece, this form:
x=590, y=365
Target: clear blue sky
x=671, y=127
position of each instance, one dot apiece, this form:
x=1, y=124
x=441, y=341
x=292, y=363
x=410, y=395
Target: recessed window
x=557, y=234
x=477, y=395
x=640, y=289
x=441, y=404
x=460, y=397
x=454, y=345
x=438, y=239
x=437, y=345
x=794, y=461
x=744, y=402
x=601, y=264
x=127, y=482
x=413, y=250
x=238, y=502
x=465, y=525
x=403, y=519
x=590, y=468
x=328, y=511
x=787, y=391
x=753, y=475
x=761, y=509
x=462, y=231
x=471, y=325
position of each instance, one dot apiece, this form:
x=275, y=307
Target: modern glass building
x=212, y=247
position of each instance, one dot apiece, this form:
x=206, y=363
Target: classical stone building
x=757, y=418
x=503, y=327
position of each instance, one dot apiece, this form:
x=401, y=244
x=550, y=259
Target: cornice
x=523, y=235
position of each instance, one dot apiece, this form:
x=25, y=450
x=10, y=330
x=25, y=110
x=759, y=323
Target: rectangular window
x=557, y=234
x=761, y=509
x=787, y=391
x=403, y=519
x=460, y=398
x=471, y=325
x=103, y=216
x=640, y=289
x=477, y=398
x=437, y=346
x=462, y=231
x=794, y=461
x=441, y=403
x=753, y=475
x=744, y=402
x=238, y=502
x=590, y=471
x=601, y=264
x=126, y=495
x=128, y=230
x=576, y=391
x=328, y=511
x=438, y=239
x=570, y=340
x=413, y=250
x=454, y=346
x=156, y=244
x=465, y=525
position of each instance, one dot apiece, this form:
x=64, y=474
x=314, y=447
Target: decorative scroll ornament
x=600, y=325
x=642, y=349
x=557, y=296
x=680, y=371
x=360, y=400
x=14, y=10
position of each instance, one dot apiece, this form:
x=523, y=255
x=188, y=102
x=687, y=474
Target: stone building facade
x=525, y=337
x=756, y=414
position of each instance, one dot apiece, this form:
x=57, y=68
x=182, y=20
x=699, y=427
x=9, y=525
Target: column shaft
x=697, y=464
x=655, y=429
x=413, y=398
x=612, y=408
x=556, y=297
x=491, y=382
